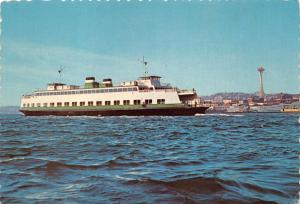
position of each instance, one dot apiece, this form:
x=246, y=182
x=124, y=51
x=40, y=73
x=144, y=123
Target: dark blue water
x=249, y=158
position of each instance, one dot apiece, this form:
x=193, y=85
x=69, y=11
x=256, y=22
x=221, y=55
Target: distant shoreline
x=9, y=110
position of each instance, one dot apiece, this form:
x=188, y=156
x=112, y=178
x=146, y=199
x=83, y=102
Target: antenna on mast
x=145, y=65
x=59, y=72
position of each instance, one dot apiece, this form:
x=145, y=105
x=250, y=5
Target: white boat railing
x=159, y=90
x=186, y=92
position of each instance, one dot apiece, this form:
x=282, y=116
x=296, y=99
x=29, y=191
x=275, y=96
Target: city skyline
x=210, y=46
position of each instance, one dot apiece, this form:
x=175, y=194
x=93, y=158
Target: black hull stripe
x=138, y=112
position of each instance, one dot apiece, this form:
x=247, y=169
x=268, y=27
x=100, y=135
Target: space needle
x=261, y=88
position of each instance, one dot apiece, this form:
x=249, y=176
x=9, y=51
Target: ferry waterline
x=145, y=96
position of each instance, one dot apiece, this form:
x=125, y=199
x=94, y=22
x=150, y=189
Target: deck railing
x=161, y=90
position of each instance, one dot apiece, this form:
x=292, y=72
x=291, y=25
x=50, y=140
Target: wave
x=31, y=184
x=175, y=163
x=63, y=117
x=192, y=185
x=82, y=116
x=56, y=165
x=220, y=114
x=113, y=164
x=43, y=165
x=211, y=189
x=59, y=165
x=11, y=133
x=5, y=161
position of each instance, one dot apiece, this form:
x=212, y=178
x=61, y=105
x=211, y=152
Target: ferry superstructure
x=144, y=96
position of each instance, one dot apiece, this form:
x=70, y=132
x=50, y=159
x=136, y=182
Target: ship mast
x=145, y=66
x=59, y=72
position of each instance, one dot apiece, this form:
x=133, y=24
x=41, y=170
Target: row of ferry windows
x=87, y=91
x=93, y=103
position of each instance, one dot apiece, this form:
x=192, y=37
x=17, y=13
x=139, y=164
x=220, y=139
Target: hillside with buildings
x=250, y=102
x=275, y=98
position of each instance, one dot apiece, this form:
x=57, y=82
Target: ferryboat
x=291, y=108
x=145, y=96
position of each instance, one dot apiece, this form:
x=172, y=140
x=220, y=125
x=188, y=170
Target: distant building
x=227, y=101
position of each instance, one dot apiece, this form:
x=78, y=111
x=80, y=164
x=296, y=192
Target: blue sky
x=210, y=46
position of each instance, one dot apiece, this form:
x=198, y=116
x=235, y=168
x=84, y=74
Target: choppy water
x=250, y=158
